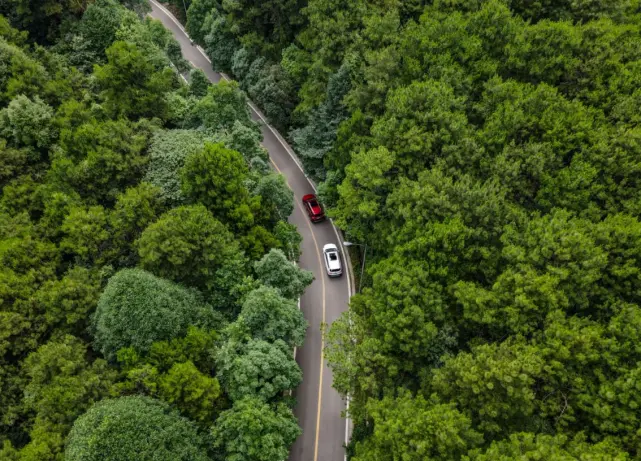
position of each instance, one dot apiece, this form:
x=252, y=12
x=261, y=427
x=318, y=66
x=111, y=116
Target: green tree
x=257, y=242
x=67, y=303
x=62, y=385
x=255, y=431
x=289, y=239
x=222, y=107
x=188, y=245
x=26, y=75
x=275, y=270
x=137, y=309
x=42, y=19
x=272, y=89
x=13, y=162
x=266, y=26
x=495, y=379
x=258, y=369
x=98, y=26
x=245, y=139
x=270, y=317
x=86, y=235
x=134, y=210
x=314, y=140
x=216, y=178
x=276, y=194
x=130, y=87
x=531, y=446
x=178, y=372
x=362, y=192
x=28, y=123
x=219, y=41
x=134, y=427
x=413, y=429
x=196, y=13
x=198, y=83
x=167, y=154
x=22, y=195
x=193, y=392
x=175, y=54
x=99, y=160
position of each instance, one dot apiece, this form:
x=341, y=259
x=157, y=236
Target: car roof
x=330, y=247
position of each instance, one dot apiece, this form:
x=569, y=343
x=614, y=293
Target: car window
x=333, y=257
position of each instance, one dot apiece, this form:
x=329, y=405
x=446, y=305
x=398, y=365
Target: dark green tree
x=130, y=87
x=188, y=245
x=198, y=83
x=216, y=178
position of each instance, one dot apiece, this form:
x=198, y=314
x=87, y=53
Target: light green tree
x=134, y=427
x=137, y=309
x=275, y=270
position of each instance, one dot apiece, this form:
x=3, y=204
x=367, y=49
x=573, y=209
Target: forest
x=488, y=153
x=148, y=275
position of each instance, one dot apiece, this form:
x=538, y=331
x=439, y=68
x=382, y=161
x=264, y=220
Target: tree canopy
x=117, y=289
x=486, y=152
x=134, y=427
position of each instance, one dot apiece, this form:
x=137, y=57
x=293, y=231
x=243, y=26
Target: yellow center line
x=320, y=267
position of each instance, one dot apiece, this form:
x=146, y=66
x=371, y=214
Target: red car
x=314, y=209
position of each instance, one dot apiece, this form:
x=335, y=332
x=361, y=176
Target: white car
x=332, y=260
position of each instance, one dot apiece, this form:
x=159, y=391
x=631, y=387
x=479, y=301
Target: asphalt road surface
x=319, y=405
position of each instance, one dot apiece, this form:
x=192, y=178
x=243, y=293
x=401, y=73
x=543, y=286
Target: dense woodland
x=488, y=152
x=148, y=276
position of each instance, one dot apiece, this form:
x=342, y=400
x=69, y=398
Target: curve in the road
x=318, y=416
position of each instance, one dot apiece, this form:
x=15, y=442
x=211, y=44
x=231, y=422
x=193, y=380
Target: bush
x=136, y=309
x=131, y=428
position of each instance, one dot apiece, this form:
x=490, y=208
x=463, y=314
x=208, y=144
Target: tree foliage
x=487, y=154
x=95, y=129
x=258, y=369
x=137, y=309
x=270, y=317
x=130, y=87
x=255, y=431
x=189, y=237
x=215, y=177
x=119, y=429
x=167, y=154
x=276, y=271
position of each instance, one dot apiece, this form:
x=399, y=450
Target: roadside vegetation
x=489, y=152
x=148, y=276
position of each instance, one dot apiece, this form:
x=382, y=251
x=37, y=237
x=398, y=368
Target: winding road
x=319, y=405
